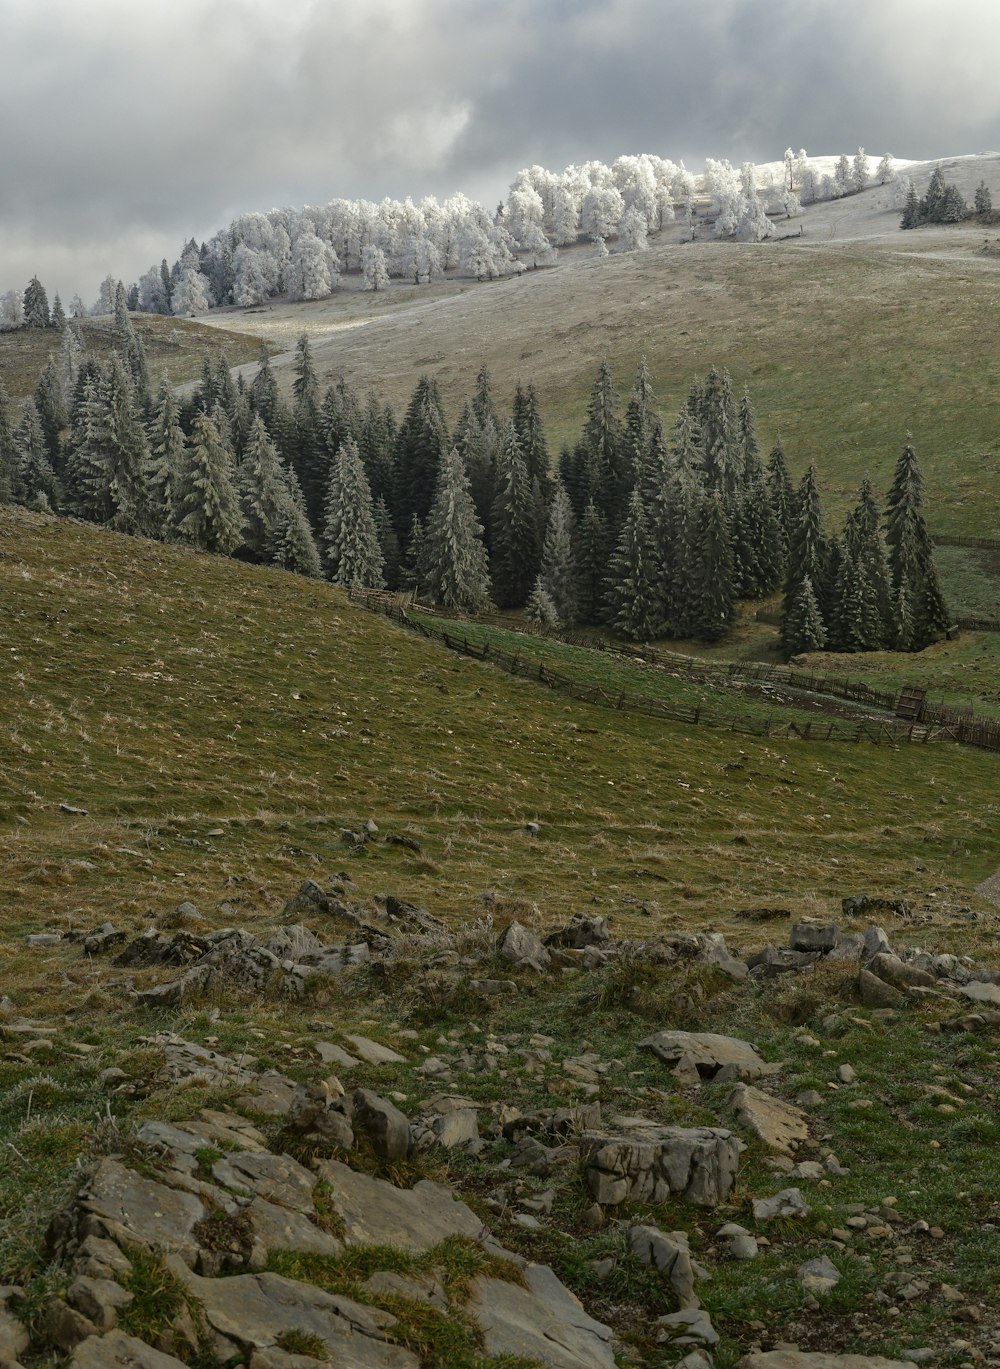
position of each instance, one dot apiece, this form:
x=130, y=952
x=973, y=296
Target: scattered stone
x=100, y=1300
x=689, y=1326
x=581, y=931
x=778, y=1124
x=328, y=1053
x=819, y=1276
x=373, y=1053
x=494, y=988
x=982, y=993
x=847, y=1074
x=648, y=1163
x=14, y=1338
x=810, y=936
x=73, y=812
x=778, y=960
x=671, y=1255
x=524, y=948
x=103, y=938
x=386, y=1127
x=542, y=1321
x=742, y=1245
x=704, y=1055
x=788, y=1203
x=798, y=1359
x=43, y=939
x=319, y=1113
x=120, y=1351
x=875, y=993
x=901, y=973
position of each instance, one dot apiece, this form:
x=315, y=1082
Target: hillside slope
x=221, y=724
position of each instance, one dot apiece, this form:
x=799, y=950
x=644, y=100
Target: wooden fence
x=870, y=730
x=978, y=543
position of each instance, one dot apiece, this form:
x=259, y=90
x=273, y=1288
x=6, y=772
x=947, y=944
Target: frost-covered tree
x=208, y=514
x=314, y=269
x=293, y=546
x=565, y=216
x=373, y=267
x=633, y=231
x=842, y=175
x=191, y=294
x=353, y=554
x=886, y=171
x=7, y=450
x=11, y=311
x=455, y=568
x=34, y=478
x=753, y=224
x=166, y=451
x=601, y=212
x=860, y=170
x=983, y=200
x=58, y=313
x=540, y=608
x=36, y=305
x=263, y=493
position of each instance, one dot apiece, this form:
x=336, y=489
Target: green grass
x=970, y=578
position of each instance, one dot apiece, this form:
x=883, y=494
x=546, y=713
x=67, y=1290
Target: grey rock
x=742, y=1246
x=800, y=1359
x=670, y=1253
x=706, y=1055
x=788, y=1203
x=328, y=1053
x=100, y=1300
x=901, y=973
x=120, y=1351
x=876, y=993
x=43, y=939
x=531, y=1157
x=651, y=1163
x=874, y=941
x=524, y=948
x=315, y=1111
x=811, y=936
x=689, y=1326
x=14, y=1338
x=778, y=1124
x=413, y=1219
x=581, y=931
x=777, y=960
x=457, y=1129
x=103, y=938
x=542, y=1321
x=373, y=1052
x=124, y=1206
x=386, y=1127
x=982, y=992
x=846, y=1074
x=819, y=1276
x=252, y=1311
x=494, y=988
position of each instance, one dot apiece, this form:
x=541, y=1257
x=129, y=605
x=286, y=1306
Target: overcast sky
x=130, y=125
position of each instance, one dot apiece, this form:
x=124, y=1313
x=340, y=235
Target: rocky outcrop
x=705, y=1055
x=647, y=1163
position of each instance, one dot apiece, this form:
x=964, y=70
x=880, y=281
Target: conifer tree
x=388, y=542
x=803, y=628
x=455, y=564
x=540, y=608
x=514, y=525
x=558, y=572
x=353, y=555
x=805, y=551
x=263, y=495
x=748, y=445
x=208, y=513
x=911, y=553
x=86, y=468
x=632, y=590
x=51, y=411
x=166, y=450
x=7, y=449
x=264, y=389
x=413, y=571
x=681, y=587
x=531, y=436
x=482, y=400
x=779, y=486
x=478, y=443
x=861, y=538
x=720, y=437
x=293, y=546
x=34, y=479
x=640, y=423
x=58, y=313
x=376, y=440
x=607, y=479
x=126, y=454
x=715, y=592
x=421, y=445
x=847, y=629
x=591, y=563
x=36, y=305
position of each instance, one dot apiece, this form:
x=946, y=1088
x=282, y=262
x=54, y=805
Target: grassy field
x=785, y=318
x=206, y=714
x=173, y=345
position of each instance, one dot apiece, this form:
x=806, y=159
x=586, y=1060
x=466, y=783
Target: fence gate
x=910, y=704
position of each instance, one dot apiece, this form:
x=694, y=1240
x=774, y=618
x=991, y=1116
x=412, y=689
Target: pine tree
x=413, y=571
x=748, y=444
x=166, y=450
x=540, y=608
x=913, y=214
x=478, y=443
x=607, y=479
x=482, y=401
x=293, y=546
x=862, y=541
x=51, y=411
x=720, y=433
x=683, y=557
x=558, y=573
x=388, y=542
x=34, y=479
x=421, y=445
x=514, y=525
x=715, y=596
x=8, y=456
x=263, y=495
x=264, y=389
x=847, y=629
x=353, y=555
x=455, y=562
x=36, y=305
x=208, y=511
x=983, y=200
x=86, y=468
x=59, y=313
x=803, y=628
x=126, y=454
x=640, y=423
x=911, y=553
x=632, y=590
x=591, y=563
x=805, y=550
x=531, y=436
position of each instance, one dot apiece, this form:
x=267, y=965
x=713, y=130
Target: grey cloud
x=133, y=126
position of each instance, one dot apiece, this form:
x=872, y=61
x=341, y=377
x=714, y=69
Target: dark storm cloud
x=129, y=127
